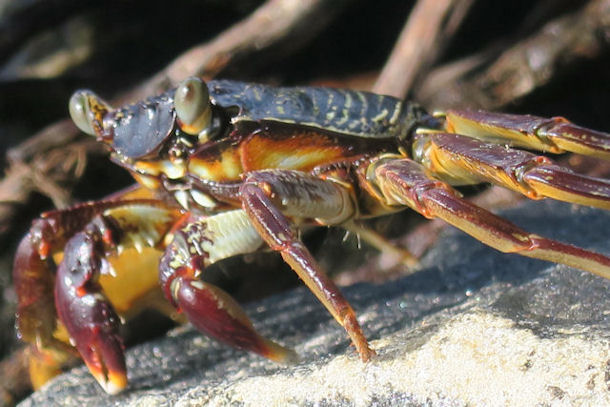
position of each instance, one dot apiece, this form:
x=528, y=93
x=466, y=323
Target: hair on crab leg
x=381, y=243
x=405, y=182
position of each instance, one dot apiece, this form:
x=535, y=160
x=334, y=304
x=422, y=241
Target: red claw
x=91, y=321
x=216, y=313
x=219, y=316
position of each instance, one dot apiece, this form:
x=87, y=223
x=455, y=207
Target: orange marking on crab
x=224, y=165
x=146, y=180
x=43, y=249
x=301, y=151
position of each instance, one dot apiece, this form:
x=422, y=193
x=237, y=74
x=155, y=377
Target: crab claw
x=89, y=318
x=218, y=315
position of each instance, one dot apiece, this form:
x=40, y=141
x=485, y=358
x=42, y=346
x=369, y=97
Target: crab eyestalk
x=87, y=111
x=193, y=108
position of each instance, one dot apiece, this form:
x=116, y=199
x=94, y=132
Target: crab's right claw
x=89, y=318
x=217, y=314
x=213, y=311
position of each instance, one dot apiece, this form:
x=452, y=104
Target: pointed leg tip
x=368, y=354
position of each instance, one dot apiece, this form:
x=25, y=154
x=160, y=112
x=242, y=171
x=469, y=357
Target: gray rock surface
x=474, y=327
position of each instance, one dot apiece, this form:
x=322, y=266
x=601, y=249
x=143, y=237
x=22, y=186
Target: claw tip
x=112, y=384
x=278, y=353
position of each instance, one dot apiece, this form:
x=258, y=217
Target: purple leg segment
x=262, y=193
x=405, y=182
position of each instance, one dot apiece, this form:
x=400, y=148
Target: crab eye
x=87, y=111
x=80, y=113
x=192, y=104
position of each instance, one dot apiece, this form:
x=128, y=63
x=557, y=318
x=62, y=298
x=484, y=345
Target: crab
x=226, y=168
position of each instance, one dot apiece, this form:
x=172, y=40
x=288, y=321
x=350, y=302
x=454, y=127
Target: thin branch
x=275, y=22
x=526, y=66
x=421, y=41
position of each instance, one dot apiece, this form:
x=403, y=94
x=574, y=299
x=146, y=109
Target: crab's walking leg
x=538, y=133
x=463, y=160
x=405, y=182
x=84, y=310
x=267, y=197
x=196, y=244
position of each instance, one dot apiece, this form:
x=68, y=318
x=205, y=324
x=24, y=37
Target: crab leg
x=267, y=197
x=405, y=182
x=463, y=160
x=82, y=307
x=198, y=243
x=556, y=134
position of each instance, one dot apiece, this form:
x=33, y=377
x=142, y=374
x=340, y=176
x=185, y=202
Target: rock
x=473, y=327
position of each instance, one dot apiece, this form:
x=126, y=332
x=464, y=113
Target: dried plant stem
x=275, y=22
x=421, y=41
x=526, y=66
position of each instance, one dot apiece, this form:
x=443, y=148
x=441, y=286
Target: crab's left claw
x=88, y=316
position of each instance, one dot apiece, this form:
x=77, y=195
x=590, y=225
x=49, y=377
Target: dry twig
x=523, y=68
x=421, y=41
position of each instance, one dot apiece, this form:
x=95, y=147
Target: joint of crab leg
x=568, y=136
x=395, y=179
x=275, y=228
x=564, y=185
x=457, y=158
x=556, y=134
x=89, y=318
x=546, y=249
x=304, y=196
